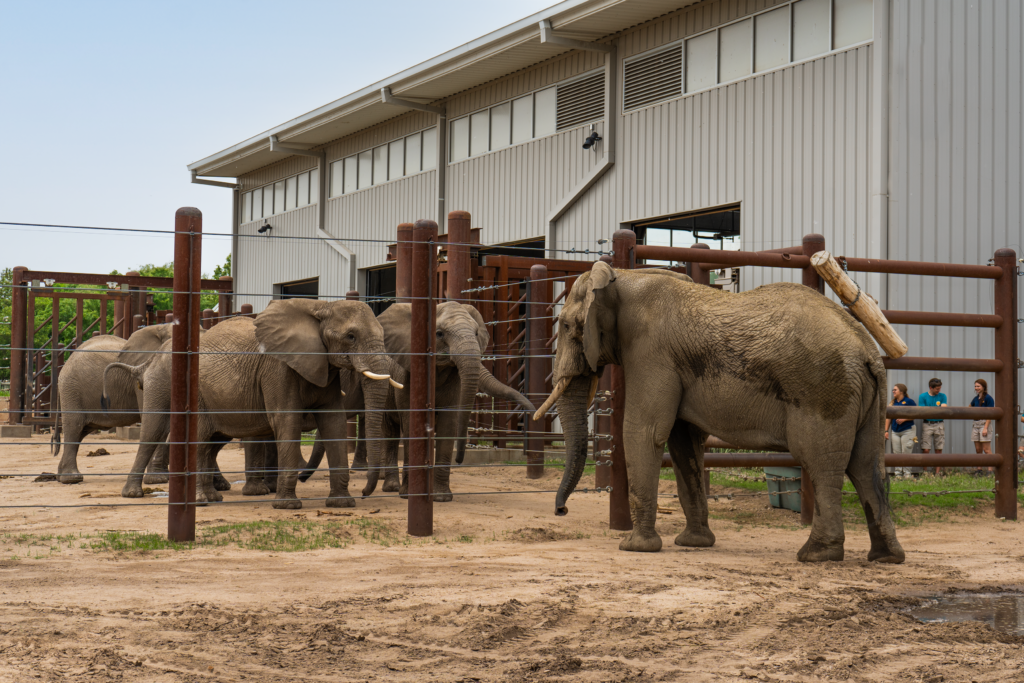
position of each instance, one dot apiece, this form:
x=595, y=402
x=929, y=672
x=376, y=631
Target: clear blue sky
x=103, y=104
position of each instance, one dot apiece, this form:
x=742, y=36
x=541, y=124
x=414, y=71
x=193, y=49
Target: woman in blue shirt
x=903, y=433
x=981, y=433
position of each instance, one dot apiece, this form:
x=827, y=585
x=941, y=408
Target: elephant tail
x=876, y=411
x=314, y=459
x=135, y=371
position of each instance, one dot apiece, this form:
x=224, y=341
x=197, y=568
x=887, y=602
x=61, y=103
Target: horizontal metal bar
x=948, y=364
x=944, y=413
x=130, y=280
x=725, y=259
x=942, y=319
x=748, y=460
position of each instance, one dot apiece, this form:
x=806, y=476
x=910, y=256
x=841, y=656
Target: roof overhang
x=507, y=50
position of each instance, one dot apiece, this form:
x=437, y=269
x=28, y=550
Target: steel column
x=225, y=300
x=403, y=263
x=619, y=518
x=460, y=269
x=812, y=244
x=1005, y=392
x=19, y=336
x=537, y=366
x=181, y=510
x=423, y=273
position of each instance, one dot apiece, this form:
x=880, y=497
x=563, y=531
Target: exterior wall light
x=591, y=140
x=265, y=227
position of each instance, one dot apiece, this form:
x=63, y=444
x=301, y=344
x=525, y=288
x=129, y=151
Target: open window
x=299, y=289
x=718, y=228
x=381, y=288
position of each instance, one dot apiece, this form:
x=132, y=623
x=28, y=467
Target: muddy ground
x=505, y=591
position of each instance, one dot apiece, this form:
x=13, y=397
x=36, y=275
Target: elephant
x=461, y=338
x=778, y=367
x=80, y=405
x=262, y=378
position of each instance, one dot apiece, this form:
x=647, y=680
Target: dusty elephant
x=461, y=340
x=80, y=402
x=778, y=367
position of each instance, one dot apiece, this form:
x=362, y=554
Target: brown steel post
x=618, y=515
x=538, y=365
x=1005, y=392
x=403, y=263
x=137, y=322
x=136, y=303
x=459, y=267
x=247, y=310
x=169, y=318
x=355, y=418
x=225, y=300
x=812, y=244
x=181, y=510
x=423, y=273
x=119, y=307
x=19, y=311
x=207, y=319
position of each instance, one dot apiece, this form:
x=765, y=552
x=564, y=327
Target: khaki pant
x=903, y=442
x=978, y=426
x=933, y=436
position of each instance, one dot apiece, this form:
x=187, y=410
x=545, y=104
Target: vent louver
x=654, y=78
x=581, y=101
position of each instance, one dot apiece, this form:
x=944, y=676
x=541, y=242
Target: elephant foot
x=132, y=490
x=359, y=463
x=442, y=495
x=695, y=538
x=403, y=490
x=272, y=484
x=290, y=503
x=638, y=543
x=255, y=487
x=391, y=484
x=220, y=483
x=156, y=478
x=815, y=551
x=208, y=495
x=888, y=555
x=346, y=501
x=73, y=477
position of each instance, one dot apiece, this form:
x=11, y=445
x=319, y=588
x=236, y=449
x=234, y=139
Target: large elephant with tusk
x=779, y=367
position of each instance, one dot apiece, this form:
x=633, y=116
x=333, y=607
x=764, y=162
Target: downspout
x=611, y=91
x=321, y=212
x=878, y=241
x=442, y=146
x=235, y=198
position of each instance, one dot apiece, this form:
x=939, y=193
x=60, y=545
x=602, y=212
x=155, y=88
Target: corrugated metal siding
x=955, y=170
x=400, y=126
x=287, y=167
x=510, y=193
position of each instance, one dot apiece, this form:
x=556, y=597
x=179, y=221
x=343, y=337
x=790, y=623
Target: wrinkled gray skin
x=152, y=381
x=778, y=367
x=79, y=401
x=289, y=369
x=461, y=340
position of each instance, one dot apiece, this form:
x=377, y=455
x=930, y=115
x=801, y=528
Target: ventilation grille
x=581, y=101
x=653, y=79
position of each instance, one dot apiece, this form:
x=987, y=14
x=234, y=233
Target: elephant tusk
x=396, y=385
x=343, y=393
x=558, y=391
x=373, y=375
x=593, y=389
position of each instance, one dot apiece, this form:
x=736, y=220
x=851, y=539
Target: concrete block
x=15, y=431
x=130, y=433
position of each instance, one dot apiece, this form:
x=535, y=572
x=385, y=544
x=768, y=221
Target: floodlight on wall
x=265, y=227
x=591, y=140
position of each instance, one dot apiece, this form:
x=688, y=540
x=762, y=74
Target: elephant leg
x=255, y=468
x=359, y=462
x=867, y=472
x=220, y=482
x=153, y=436
x=403, y=490
x=446, y=428
x=74, y=432
x=398, y=434
x=686, y=445
x=827, y=536
x=156, y=473
x=206, y=464
x=288, y=434
x=333, y=430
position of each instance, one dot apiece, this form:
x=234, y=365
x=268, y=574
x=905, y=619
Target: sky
x=103, y=104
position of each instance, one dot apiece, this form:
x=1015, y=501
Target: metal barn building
x=892, y=127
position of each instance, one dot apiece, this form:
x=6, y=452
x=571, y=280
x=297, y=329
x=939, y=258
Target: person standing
x=981, y=433
x=933, y=432
x=903, y=431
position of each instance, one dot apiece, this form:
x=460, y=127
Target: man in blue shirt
x=933, y=432
x=903, y=433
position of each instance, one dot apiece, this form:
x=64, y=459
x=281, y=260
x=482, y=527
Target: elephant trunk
x=375, y=394
x=572, y=412
x=470, y=368
x=491, y=386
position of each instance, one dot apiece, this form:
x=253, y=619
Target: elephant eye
x=440, y=334
x=351, y=337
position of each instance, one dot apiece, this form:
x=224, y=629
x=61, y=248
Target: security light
x=591, y=140
x=266, y=226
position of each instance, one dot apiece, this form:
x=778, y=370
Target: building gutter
x=235, y=198
x=878, y=240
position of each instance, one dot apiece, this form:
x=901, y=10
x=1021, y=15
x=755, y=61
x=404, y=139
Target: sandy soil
x=504, y=591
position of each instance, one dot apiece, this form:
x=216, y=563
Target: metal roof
x=489, y=57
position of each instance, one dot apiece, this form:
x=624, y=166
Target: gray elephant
x=778, y=367
x=80, y=403
x=461, y=340
x=261, y=378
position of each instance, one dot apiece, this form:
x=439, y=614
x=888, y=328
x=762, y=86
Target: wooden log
x=860, y=303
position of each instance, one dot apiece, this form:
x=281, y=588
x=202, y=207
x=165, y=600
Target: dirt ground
x=504, y=591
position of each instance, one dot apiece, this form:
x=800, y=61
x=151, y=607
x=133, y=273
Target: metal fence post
x=246, y=309
x=421, y=377
x=1005, y=443
x=403, y=263
x=460, y=269
x=538, y=366
x=619, y=518
x=225, y=300
x=181, y=510
x=19, y=303
x=811, y=245
x=207, y=319
x=354, y=418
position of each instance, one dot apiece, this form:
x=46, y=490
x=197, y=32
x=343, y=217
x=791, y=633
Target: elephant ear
x=601, y=275
x=483, y=335
x=290, y=330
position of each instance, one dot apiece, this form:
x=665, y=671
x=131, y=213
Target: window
x=351, y=174
x=797, y=30
x=314, y=186
x=545, y=112
x=337, y=178
x=460, y=139
x=365, y=169
x=719, y=230
x=303, y=198
x=522, y=119
x=257, y=204
x=302, y=289
x=380, y=164
x=479, y=133
x=279, y=197
x=289, y=191
x=246, y=207
x=284, y=195
x=501, y=126
x=396, y=159
x=413, y=147
x=429, y=149
x=268, y=201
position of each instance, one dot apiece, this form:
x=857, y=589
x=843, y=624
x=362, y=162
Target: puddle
x=1002, y=611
